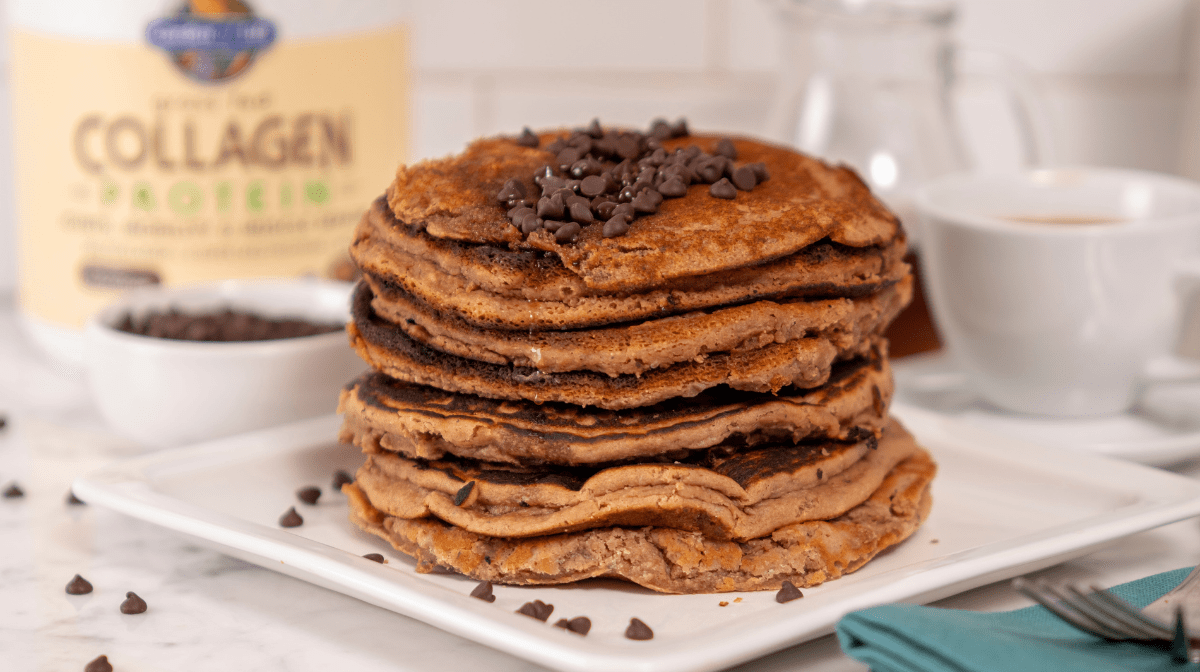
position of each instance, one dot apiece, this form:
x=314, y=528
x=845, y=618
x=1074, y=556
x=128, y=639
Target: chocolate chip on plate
x=79, y=586
x=484, y=592
x=73, y=500
x=291, y=518
x=13, y=491
x=309, y=494
x=374, y=557
x=788, y=593
x=100, y=664
x=341, y=477
x=722, y=188
x=580, y=624
x=638, y=630
x=537, y=609
x=133, y=604
x=3, y=421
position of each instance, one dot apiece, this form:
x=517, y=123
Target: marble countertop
x=210, y=612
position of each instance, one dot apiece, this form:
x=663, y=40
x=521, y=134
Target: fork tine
x=1179, y=643
x=1085, y=608
x=1157, y=628
x=1073, y=618
x=1128, y=617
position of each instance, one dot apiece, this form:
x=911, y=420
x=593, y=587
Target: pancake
x=803, y=363
x=805, y=201
x=652, y=344
x=491, y=287
x=383, y=414
x=668, y=559
x=746, y=495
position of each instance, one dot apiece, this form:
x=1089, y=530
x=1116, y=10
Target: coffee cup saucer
x=1162, y=429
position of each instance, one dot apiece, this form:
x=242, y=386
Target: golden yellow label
x=129, y=172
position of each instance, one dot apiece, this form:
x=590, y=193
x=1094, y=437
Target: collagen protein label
x=216, y=148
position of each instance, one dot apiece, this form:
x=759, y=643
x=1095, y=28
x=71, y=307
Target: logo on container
x=212, y=40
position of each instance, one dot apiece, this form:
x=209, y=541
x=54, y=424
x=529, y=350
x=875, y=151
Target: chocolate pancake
x=746, y=495
x=383, y=414
x=804, y=201
x=491, y=287
x=668, y=559
x=651, y=344
x=803, y=363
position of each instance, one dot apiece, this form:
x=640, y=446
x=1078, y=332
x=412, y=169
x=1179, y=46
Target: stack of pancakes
x=695, y=401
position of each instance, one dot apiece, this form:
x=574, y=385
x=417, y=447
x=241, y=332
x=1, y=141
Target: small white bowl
x=164, y=392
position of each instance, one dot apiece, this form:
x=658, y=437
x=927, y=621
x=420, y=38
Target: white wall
x=1114, y=73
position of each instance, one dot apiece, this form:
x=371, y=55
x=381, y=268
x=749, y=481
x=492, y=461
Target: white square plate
x=1001, y=508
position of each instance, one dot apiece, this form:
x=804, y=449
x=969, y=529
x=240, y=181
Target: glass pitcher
x=868, y=83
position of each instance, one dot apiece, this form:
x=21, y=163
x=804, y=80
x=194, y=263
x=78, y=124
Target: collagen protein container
x=176, y=142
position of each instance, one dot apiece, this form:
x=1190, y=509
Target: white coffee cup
x=1059, y=292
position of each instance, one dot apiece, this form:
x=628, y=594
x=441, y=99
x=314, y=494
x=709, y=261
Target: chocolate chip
x=638, y=630
x=679, y=129
x=585, y=167
x=725, y=148
x=549, y=207
x=73, y=500
x=484, y=592
x=341, y=477
x=580, y=624
x=568, y=231
x=646, y=201
x=594, y=129
x=673, y=187
x=616, y=226
x=537, y=609
x=13, y=491
x=374, y=557
x=787, y=593
x=660, y=129
x=512, y=189
x=553, y=225
x=133, y=604
x=556, y=145
x=528, y=138
x=568, y=156
x=593, y=185
x=3, y=422
x=723, y=189
x=625, y=209
x=530, y=223
x=582, y=212
x=100, y=664
x=552, y=184
x=604, y=208
x=291, y=518
x=309, y=495
x=627, y=147
x=820, y=474
x=744, y=178
x=709, y=169
x=463, y=493
x=580, y=141
x=79, y=586
x=760, y=171
x=574, y=199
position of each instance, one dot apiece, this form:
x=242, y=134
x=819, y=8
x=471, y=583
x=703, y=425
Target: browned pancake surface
x=804, y=201
x=666, y=559
x=383, y=414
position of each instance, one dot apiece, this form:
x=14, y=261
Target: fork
x=1101, y=613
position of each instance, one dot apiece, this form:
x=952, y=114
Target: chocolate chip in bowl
x=172, y=366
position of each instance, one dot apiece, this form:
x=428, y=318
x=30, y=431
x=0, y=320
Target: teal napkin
x=909, y=638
